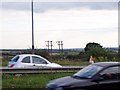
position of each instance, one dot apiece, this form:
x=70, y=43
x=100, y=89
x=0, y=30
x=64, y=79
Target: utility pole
x=33, y=51
x=51, y=46
x=47, y=45
x=60, y=45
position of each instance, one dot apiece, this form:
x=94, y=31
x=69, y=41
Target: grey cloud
x=44, y=6
x=16, y=5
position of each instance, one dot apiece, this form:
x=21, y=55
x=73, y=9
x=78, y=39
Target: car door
x=110, y=79
x=26, y=62
x=39, y=62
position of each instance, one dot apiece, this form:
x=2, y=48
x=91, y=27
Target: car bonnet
x=68, y=81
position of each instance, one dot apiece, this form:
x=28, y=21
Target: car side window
x=38, y=60
x=26, y=60
x=111, y=73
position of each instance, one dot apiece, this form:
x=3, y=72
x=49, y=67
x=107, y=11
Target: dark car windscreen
x=88, y=72
x=15, y=59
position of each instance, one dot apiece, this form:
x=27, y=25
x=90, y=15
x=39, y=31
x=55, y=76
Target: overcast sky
x=74, y=23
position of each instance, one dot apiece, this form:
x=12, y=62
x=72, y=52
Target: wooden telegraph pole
x=33, y=50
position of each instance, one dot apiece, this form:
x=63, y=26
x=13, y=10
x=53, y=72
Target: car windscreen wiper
x=78, y=77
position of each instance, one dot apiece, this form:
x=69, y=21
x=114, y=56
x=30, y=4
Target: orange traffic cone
x=91, y=60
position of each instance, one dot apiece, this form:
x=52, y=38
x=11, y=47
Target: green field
x=29, y=81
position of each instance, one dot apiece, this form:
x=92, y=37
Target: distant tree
x=90, y=46
x=95, y=50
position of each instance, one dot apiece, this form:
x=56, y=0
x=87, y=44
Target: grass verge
x=29, y=81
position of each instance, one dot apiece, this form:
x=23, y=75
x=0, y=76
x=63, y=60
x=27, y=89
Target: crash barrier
x=44, y=70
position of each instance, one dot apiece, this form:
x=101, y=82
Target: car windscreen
x=88, y=72
x=15, y=59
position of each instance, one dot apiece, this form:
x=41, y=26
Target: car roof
x=24, y=55
x=107, y=64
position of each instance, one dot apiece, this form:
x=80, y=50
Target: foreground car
x=30, y=60
x=102, y=76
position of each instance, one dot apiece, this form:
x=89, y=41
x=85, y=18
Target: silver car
x=29, y=61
